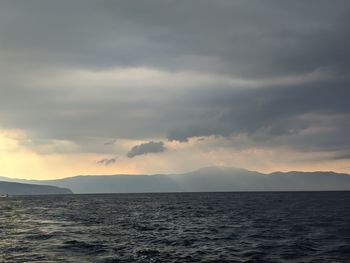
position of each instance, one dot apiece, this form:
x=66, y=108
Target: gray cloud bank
x=146, y=148
x=293, y=56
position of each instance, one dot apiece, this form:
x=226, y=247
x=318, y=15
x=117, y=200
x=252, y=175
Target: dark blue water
x=191, y=227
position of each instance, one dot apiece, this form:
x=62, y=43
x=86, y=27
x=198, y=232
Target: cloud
x=305, y=116
x=146, y=148
x=255, y=39
x=273, y=72
x=111, y=142
x=107, y=161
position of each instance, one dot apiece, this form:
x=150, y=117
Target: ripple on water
x=192, y=227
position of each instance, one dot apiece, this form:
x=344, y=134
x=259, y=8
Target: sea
x=177, y=227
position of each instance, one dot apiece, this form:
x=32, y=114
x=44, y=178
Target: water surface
x=186, y=227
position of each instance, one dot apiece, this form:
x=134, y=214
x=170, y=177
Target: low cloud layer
x=146, y=148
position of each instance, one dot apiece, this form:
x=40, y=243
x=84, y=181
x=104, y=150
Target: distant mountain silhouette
x=204, y=180
x=12, y=188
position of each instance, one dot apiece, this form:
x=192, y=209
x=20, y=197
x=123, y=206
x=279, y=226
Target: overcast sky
x=107, y=87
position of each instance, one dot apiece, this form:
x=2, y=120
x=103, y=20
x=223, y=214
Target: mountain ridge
x=206, y=179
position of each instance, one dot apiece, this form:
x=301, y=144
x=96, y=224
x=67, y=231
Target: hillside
x=204, y=180
x=12, y=188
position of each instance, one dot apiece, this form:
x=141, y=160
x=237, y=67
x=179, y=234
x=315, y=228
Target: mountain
x=12, y=188
x=203, y=180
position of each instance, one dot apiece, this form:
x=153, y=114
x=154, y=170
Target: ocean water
x=177, y=227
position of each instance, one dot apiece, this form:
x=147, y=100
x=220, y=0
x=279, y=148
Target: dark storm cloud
x=250, y=38
x=146, y=148
x=261, y=42
x=312, y=117
x=273, y=111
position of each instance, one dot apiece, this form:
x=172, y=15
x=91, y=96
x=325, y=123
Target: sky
x=165, y=86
